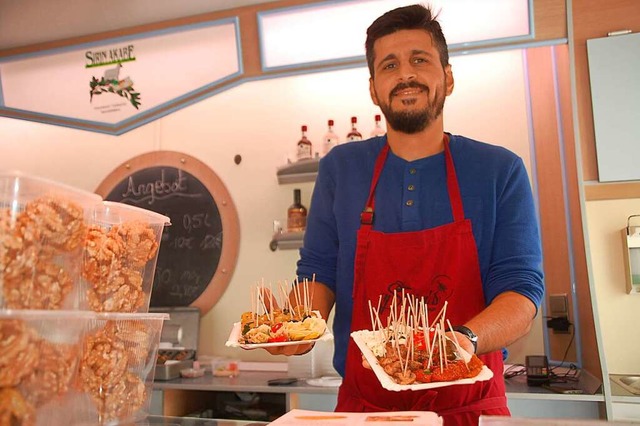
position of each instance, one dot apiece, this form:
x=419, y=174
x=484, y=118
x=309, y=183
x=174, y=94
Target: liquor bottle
x=330, y=139
x=354, y=134
x=378, y=130
x=296, y=214
x=304, y=149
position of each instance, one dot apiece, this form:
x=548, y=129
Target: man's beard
x=414, y=121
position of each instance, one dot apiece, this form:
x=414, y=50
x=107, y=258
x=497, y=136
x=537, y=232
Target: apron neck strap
x=367, y=215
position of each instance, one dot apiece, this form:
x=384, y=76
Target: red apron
x=438, y=264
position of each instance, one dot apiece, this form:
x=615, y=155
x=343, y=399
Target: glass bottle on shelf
x=330, y=139
x=378, y=130
x=354, y=134
x=304, y=149
x=296, y=214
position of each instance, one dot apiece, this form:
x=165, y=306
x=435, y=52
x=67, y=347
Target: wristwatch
x=473, y=337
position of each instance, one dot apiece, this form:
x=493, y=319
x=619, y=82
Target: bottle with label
x=378, y=130
x=304, y=149
x=296, y=214
x=354, y=134
x=330, y=139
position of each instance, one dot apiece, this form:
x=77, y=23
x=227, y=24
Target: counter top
x=256, y=381
x=246, y=381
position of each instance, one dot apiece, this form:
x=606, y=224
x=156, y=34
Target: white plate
x=327, y=381
x=388, y=383
x=235, y=334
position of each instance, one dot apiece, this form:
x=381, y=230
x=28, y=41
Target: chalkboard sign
x=193, y=247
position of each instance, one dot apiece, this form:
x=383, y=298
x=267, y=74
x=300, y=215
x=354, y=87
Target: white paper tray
x=235, y=334
x=388, y=383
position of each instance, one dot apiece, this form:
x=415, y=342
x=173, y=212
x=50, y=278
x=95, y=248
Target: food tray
x=360, y=337
x=236, y=333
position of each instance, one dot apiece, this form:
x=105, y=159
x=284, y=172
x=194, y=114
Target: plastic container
x=116, y=369
x=225, y=368
x=119, y=257
x=43, y=225
x=41, y=353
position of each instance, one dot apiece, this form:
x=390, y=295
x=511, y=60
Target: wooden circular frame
x=228, y=213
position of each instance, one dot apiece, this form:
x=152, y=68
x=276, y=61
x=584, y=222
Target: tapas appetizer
x=412, y=353
x=272, y=322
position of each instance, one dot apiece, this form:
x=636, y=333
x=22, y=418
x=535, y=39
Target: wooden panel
x=591, y=19
x=611, y=191
x=550, y=19
x=557, y=265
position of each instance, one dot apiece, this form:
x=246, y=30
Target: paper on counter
x=397, y=418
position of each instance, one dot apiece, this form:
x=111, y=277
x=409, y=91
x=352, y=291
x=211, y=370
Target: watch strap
x=473, y=337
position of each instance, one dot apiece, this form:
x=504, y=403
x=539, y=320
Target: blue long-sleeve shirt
x=496, y=196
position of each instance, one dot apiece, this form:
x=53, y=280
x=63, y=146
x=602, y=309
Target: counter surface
x=256, y=381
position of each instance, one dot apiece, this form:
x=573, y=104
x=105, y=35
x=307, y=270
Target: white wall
x=261, y=121
x=617, y=311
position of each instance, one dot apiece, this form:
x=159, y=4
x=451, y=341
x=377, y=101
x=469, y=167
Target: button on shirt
x=412, y=196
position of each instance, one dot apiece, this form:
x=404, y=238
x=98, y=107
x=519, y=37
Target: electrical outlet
x=559, y=311
x=558, y=305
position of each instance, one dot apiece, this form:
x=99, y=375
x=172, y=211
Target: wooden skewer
x=458, y=347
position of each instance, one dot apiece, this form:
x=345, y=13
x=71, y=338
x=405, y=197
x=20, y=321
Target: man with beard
x=433, y=214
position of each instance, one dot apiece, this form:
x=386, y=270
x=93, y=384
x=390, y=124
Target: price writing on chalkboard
x=196, y=221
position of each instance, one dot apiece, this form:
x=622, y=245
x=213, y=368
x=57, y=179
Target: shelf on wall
x=300, y=171
x=286, y=241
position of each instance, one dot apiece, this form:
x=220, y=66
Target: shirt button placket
x=411, y=186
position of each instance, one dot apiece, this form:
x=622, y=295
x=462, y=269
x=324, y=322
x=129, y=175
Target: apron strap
x=367, y=215
x=452, y=184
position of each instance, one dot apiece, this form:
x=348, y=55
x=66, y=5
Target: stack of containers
x=77, y=344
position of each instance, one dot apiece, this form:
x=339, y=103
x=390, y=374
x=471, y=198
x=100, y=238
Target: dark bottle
x=296, y=214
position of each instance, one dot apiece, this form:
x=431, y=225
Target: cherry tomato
x=276, y=327
x=281, y=338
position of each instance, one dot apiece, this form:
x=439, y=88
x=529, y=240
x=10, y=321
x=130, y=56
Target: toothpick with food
x=411, y=349
x=281, y=317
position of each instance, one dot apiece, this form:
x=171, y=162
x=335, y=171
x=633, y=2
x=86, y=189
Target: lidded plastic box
x=43, y=225
x=119, y=257
x=116, y=368
x=41, y=351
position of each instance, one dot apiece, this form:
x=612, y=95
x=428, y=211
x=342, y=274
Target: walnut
x=19, y=351
x=14, y=409
x=53, y=373
x=54, y=222
x=42, y=288
x=141, y=242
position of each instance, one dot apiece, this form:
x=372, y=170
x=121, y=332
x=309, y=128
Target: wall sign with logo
x=199, y=250
x=118, y=84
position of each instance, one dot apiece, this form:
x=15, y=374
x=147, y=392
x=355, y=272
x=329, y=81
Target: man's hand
x=288, y=350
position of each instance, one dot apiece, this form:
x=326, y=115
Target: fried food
x=280, y=327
